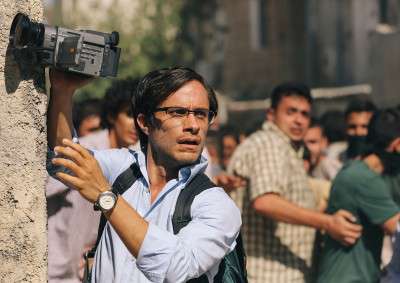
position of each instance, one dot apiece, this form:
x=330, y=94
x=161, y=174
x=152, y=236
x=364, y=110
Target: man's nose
x=191, y=123
x=361, y=131
x=300, y=119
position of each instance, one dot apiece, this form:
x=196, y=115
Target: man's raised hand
x=87, y=177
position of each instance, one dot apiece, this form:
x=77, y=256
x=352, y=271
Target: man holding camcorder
x=173, y=109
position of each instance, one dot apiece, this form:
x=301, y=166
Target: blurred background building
x=245, y=47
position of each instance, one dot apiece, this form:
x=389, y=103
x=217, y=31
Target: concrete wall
x=364, y=21
x=23, y=242
x=385, y=68
x=339, y=34
x=252, y=68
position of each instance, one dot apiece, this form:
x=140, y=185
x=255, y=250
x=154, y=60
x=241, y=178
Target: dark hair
x=359, y=105
x=290, y=89
x=85, y=109
x=334, y=125
x=118, y=99
x=157, y=86
x=383, y=128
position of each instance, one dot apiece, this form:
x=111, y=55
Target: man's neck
x=296, y=145
x=374, y=163
x=159, y=172
x=114, y=141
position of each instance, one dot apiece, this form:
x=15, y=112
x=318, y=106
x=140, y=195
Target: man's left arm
x=198, y=247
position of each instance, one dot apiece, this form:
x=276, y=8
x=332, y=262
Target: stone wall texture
x=23, y=241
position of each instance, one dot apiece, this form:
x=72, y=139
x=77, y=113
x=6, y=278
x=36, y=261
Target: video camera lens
x=24, y=32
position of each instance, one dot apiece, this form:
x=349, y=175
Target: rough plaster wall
x=23, y=241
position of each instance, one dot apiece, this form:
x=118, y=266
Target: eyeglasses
x=182, y=112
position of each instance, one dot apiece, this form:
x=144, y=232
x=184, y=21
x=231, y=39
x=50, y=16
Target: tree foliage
x=153, y=34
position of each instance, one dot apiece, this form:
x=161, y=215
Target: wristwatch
x=106, y=201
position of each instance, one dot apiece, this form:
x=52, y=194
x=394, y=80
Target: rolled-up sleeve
x=198, y=247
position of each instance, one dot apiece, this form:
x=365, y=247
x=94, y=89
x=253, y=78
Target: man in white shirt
x=173, y=109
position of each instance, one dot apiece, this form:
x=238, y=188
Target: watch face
x=107, y=202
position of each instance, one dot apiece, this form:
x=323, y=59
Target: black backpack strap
x=182, y=215
x=126, y=179
x=123, y=182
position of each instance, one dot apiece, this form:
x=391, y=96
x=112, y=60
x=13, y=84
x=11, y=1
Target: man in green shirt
x=360, y=189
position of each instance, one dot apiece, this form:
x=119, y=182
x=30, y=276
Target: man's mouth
x=297, y=131
x=189, y=141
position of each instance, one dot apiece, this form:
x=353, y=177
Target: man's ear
x=270, y=115
x=143, y=125
x=394, y=145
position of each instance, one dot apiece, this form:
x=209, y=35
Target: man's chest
x=157, y=210
x=295, y=185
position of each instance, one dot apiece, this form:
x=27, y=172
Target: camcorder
x=85, y=52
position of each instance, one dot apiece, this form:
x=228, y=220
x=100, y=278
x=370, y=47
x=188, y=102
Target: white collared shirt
x=163, y=256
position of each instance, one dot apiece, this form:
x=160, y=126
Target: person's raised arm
x=59, y=113
x=339, y=226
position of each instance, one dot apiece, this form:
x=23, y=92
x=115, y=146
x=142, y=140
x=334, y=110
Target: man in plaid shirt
x=279, y=210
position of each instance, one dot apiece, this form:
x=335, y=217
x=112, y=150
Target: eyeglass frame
x=211, y=113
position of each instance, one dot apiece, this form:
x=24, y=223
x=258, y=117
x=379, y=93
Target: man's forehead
x=315, y=130
x=192, y=93
x=295, y=101
x=359, y=116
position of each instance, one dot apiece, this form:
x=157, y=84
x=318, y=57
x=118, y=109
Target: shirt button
x=186, y=172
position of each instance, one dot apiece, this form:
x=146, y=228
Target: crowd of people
x=314, y=198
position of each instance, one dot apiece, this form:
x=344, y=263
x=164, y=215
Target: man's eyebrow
x=297, y=109
x=183, y=107
x=292, y=108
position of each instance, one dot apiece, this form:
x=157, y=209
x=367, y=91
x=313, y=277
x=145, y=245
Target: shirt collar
x=270, y=126
x=185, y=174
